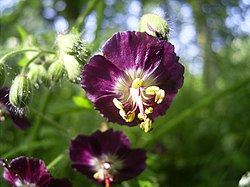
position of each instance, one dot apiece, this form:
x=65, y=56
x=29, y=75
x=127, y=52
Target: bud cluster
x=73, y=54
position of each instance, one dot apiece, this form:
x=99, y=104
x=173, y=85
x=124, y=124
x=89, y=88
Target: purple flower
x=106, y=157
x=134, y=80
x=30, y=172
x=7, y=109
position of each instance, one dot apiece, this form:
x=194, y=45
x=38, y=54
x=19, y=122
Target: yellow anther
x=2, y=118
x=149, y=110
x=123, y=114
x=96, y=175
x=137, y=83
x=130, y=117
x=159, y=96
x=117, y=104
x=140, y=116
x=151, y=90
x=146, y=126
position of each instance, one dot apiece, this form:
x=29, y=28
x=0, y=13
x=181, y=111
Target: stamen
x=140, y=102
x=146, y=126
x=130, y=117
x=151, y=90
x=123, y=114
x=149, y=110
x=141, y=116
x=117, y=104
x=159, y=96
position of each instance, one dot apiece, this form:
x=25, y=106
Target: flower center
x=140, y=102
x=106, y=168
x=19, y=183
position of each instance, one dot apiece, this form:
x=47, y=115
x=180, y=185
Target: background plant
x=204, y=138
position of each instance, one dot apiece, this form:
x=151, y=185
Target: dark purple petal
x=19, y=119
x=98, y=77
x=20, y=122
x=82, y=150
x=59, y=183
x=160, y=110
x=4, y=95
x=170, y=72
x=134, y=163
x=133, y=50
x=111, y=141
x=107, y=108
x=28, y=169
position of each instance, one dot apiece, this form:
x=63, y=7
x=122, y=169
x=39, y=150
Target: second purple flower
x=134, y=80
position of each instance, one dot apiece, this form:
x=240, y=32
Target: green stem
x=52, y=122
x=56, y=160
x=12, y=53
x=24, y=147
x=25, y=67
x=80, y=20
x=37, y=122
x=195, y=108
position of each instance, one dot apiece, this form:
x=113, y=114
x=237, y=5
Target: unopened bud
x=55, y=71
x=67, y=42
x=37, y=74
x=2, y=74
x=20, y=91
x=72, y=44
x=72, y=67
x=154, y=25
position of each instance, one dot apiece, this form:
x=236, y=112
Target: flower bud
x=37, y=74
x=55, y=71
x=154, y=25
x=20, y=91
x=67, y=42
x=73, y=45
x=2, y=74
x=72, y=67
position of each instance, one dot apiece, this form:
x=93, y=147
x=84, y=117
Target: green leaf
x=22, y=32
x=82, y=102
x=145, y=184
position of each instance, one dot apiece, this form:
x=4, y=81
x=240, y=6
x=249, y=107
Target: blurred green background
x=203, y=141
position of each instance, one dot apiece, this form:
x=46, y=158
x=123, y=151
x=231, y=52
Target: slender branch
x=56, y=160
x=80, y=20
x=37, y=122
x=12, y=53
x=28, y=146
x=52, y=122
x=25, y=67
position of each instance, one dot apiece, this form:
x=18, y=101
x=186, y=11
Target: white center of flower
x=140, y=102
x=20, y=183
x=106, y=167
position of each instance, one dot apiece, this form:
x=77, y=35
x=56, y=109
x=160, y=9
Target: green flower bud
x=37, y=74
x=73, y=45
x=72, y=67
x=20, y=91
x=154, y=25
x=56, y=70
x=2, y=74
x=67, y=42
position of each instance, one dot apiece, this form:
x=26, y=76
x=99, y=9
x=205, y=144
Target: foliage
x=203, y=140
